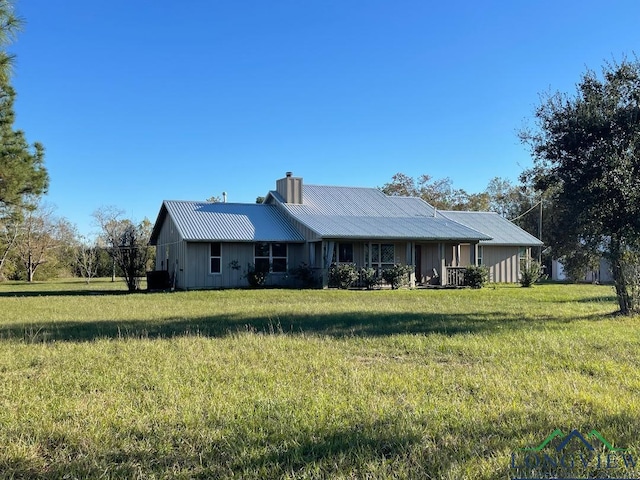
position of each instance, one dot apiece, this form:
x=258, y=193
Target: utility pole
x=540, y=232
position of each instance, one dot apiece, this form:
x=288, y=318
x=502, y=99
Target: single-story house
x=210, y=245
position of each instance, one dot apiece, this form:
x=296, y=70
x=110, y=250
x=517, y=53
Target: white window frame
x=213, y=257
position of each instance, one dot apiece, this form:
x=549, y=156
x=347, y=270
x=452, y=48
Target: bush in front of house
x=255, y=276
x=530, y=274
x=397, y=276
x=305, y=275
x=369, y=277
x=476, y=276
x=343, y=275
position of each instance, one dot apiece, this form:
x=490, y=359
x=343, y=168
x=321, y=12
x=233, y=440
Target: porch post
x=411, y=260
x=443, y=264
x=327, y=248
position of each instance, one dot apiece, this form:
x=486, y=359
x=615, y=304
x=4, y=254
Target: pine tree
x=22, y=171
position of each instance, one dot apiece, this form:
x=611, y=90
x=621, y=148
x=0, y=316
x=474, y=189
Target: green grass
x=307, y=384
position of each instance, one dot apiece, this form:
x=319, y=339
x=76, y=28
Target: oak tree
x=586, y=152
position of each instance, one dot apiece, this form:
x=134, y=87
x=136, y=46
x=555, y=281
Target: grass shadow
x=64, y=293
x=344, y=324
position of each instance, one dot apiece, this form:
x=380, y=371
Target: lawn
x=443, y=384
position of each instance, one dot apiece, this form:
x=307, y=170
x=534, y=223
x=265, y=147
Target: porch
x=434, y=263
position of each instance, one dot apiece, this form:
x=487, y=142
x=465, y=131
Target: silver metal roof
x=501, y=230
x=338, y=212
x=228, y=222
x=367, y=213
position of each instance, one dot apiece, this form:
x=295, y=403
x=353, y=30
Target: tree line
x=34, y=241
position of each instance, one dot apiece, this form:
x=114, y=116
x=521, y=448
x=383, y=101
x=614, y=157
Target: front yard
x=308, y=384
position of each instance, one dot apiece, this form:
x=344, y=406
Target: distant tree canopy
x=519, y=203
x=586, y=151
x=22, y=172
x=439, y=193
x=513, y=202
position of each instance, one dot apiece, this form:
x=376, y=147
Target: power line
x=523, y=214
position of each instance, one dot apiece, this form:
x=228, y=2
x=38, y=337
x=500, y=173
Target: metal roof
x=501, y=230
x=356, y=212
x=359, y=202
x=227, y=222
x=338, y=212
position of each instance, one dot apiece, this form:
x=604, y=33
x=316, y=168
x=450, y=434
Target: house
x=508, y=247
x=212, y=245
x=600, y=274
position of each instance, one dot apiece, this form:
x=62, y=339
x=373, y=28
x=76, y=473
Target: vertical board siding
x=503, y=263
x=465, y=255
x=198, y=274
x=169, y=240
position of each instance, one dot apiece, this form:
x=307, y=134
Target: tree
x=10, y=221
x=522, y=205
x=439, y=193
x=127, y=242
x=86, y=258
x=22, y=171
x=108, y=219
x=586, y=151
x=40, y=234
x=505, y=197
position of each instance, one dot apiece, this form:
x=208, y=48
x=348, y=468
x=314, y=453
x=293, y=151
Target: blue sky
x=137, y=101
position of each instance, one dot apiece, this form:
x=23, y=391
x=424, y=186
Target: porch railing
x=455, y=276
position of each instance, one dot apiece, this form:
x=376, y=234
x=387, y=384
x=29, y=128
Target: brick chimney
x=290, y=188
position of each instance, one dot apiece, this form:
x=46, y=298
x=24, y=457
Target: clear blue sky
x=137, y=101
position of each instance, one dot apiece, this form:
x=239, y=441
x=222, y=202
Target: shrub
x=369, y=277
x=343, y=275
x=476, y=277
x=397, y=276
x=256, y=277
x=305, y=275
x=530, y=273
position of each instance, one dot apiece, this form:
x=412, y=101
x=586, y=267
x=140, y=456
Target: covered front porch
x=443, y=263
x=435, y=263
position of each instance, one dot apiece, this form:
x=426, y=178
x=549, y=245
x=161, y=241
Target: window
x=525, y=257
x=381, y=256
x=480, y=255
x=271, y=257
x=345, y=253
x=279, y=257
x=215, y=258
x=523, y=254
